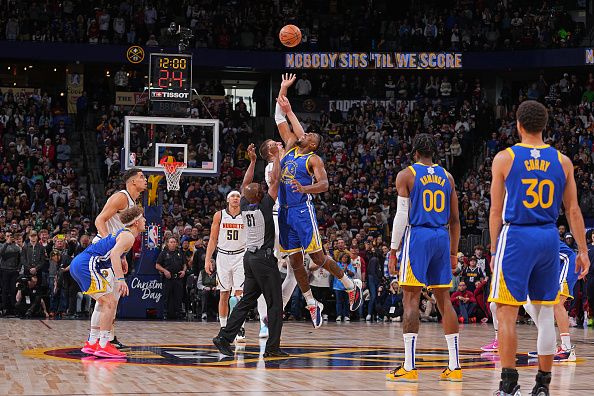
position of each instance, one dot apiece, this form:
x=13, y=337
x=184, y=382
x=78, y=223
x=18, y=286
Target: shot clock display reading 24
x=170, y=77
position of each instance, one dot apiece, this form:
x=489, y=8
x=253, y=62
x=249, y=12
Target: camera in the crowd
x=22, y=282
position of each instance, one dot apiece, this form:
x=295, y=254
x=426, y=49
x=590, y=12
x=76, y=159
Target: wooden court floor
x=42, y=358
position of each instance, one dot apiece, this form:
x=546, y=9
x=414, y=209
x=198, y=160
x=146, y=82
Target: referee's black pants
x=261, y=277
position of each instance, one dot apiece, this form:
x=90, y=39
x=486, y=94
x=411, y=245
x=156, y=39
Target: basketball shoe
x=316, y=314
x=399, y=374
x=90, y=349
x=451, y=375
x=109, y=351
x=565, y=355
x=515, y=392
x=493, y=346
x=356, y=295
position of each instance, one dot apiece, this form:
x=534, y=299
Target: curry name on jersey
x=430, y=196
x=294, y=166
x=534, y=186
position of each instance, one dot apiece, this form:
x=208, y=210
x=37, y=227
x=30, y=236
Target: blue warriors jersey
x=294, y=167
x=102, y=249
x=534, y=187
x=430, y=196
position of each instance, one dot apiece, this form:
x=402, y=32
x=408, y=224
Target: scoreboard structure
x=170, y=77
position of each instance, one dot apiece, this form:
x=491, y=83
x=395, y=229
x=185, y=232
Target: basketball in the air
x=290, y=35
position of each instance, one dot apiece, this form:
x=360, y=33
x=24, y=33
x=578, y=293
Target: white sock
x=493, y=307
x=347, y=282
x=103, y=338
x=410, y=345
x=111, y=334
x=289, y=285
x=565, y=341
x=453, y=349
x=93, y=335
x=309, y=298
x=496, y=335
x=223, y=320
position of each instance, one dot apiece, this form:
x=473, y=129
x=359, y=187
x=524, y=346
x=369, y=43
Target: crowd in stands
x=44, y=218
x=365, y=147
x=351, y=25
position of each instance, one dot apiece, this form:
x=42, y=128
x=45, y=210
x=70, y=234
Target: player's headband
x=133, y=220
x=232, y=193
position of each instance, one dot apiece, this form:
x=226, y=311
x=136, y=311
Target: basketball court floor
x=42, y=358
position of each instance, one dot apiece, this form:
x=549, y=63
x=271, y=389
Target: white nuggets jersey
x=115, y=224
x=267, y=171
x=231, y=233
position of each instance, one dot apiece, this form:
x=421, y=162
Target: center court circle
x=301, y=357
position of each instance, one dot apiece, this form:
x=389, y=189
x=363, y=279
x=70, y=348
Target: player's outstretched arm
x=212, y=242
x=275, y=174
x=280, y=115
x=499, y=171
x=575, y=219
x=114, y=204
x=249, y=173
x=321, y=185
x=454, y=225
x=283, y=106
x=404, y=180
x=124, y=243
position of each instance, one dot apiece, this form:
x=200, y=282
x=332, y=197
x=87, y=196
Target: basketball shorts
x=298, y=229
x=230, y=274
x=93, y=279
x=568, y=277
x=526, y=264
x=425, y=258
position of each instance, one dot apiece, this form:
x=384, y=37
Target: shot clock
x=170, y=77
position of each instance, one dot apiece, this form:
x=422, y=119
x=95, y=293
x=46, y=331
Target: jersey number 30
x=433, y=201
x=539, y=193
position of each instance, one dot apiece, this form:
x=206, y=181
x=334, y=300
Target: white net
x=173, y=171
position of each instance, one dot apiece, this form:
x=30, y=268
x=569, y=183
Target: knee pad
x=546, y=343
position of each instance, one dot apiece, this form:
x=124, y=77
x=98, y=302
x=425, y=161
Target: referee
x=260, y=265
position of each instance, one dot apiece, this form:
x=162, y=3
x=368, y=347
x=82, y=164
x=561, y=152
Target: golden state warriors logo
x=289, y=172
x=302, y=357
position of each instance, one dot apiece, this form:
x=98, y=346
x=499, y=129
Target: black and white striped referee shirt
x=258, y=222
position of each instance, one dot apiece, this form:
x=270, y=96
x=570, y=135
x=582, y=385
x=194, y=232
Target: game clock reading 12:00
x=171, y=77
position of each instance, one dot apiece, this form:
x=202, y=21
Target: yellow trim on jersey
x=560, y=157
x=414, y=172
x=420, y=163
x=511, y=153
x=288, y=152
x=289, y=250
x=532, y=146
x=307, y=165
x=440, y=286
x=504, y=296
x=297, y=155
x=565, y=291
x=94, y=288
x=554, y=302
x=409, y=278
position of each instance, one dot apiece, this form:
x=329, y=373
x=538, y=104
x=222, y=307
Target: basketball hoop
x=173, y=171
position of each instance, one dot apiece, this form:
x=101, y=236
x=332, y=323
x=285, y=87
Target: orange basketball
x=290, y=35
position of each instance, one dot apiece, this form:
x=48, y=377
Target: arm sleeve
x=400, y=221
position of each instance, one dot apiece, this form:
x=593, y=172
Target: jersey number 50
x=232, y=235
x=433, y=201
x=536, y=193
